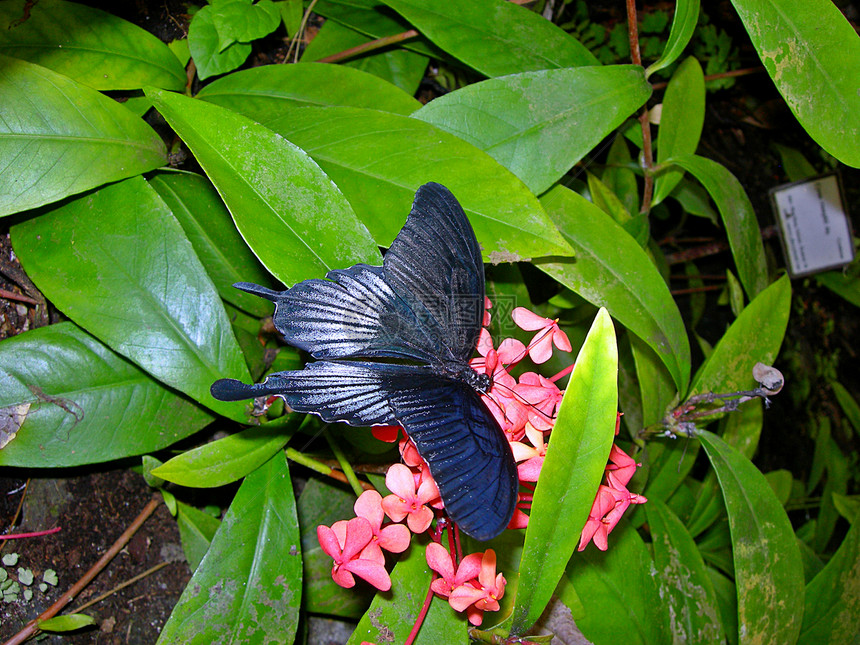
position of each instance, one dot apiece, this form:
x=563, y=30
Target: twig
x=125, y=584
x=33, y=626
x=21, y=536
x=11, y=295
x=647, y=160
x=379, y=43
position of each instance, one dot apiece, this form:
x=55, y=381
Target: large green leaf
x=87, y=404
x=494, y=36
x=684, y=583
x=611, y=270
x=571, y=472
x=738, y=218
x=379, y=159
x=287, y=209
x=539, y=124
x=207, y=224
x=754, y=337
x=248, y=587
x=117, y=263
x=681, y=122
x=58, y=138
x=812, y=54
x=832, y=610
x=392, y=615
x=204, y=45
x=767, y=565
x=264, y=93
x=90, y=46
x=617, y=591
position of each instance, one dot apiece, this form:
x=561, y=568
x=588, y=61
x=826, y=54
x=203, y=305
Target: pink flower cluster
x=526, y=411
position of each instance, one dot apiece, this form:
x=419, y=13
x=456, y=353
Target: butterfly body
x=392, y=345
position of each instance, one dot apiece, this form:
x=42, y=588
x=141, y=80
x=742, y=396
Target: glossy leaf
x=195, y=203
x=846, y=286
x=66, y=623
x=572, y=470
x=508, y=220
x=540, y=124
x=681, y=122
x=618, y=584
x=619, y=176
x=611, y=270
x=266, y=92
x=241, y=21
x=683, y=580
x=87, y=404
x=87, y=45
x=767, y=565
x=811, y=53
x=196, y=530
x=392, y=615
x=754, y=337
x=738, y=218
x=655, y=383
x=229, y=459
x=291, y=215
x=59, y=138
x=117, y=263
x=848, y=403
x=248, y=586
x=683, y=25
x=205, y=47
x=493, y=36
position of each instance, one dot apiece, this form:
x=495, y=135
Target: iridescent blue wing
x=468, y=455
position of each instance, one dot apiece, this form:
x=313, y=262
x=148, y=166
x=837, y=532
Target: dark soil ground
x=94, y=506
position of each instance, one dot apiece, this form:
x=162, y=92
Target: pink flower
x=345, y=550
x=543, y=397
x=393, y=537
x=532, y=455
x=609, y=505
x=487, y=305
x=440, y=561
x=540, y=349
x=407, y=501
x=482, y=595
x=620, y=469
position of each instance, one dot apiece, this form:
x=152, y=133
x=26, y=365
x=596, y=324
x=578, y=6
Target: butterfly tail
x=257, y=290
x=229, y=389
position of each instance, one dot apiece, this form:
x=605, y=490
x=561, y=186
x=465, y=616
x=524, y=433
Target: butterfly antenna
x=525, y=402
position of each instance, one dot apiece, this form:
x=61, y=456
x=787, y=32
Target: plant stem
x=344, y=464
x=323, y=469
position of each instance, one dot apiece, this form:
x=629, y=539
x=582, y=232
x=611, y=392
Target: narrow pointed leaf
x=738, y=217
x=571, y=473
x=196, y=530
x=493, y=36
x=266, y=92
x=90, y=46
x=287, y=209
x=611, y=270
x=66, y=623
x=767, y=565
x=248, y=586
x=86, y=403
x=683, y=25
x=540, y=124
x=58, y=138
x=117, y=263
x=812, y=54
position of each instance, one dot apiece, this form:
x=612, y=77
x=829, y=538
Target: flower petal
x=394, y=538
x=529, y=320
x=374, y=573
x=369, y=506
x=328, y=542
x=418, y=521
x=440, y=560
x=400, y=482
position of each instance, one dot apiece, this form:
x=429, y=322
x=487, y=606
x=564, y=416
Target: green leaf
x=204, y=45
x=848, y=404
x=683, y=25
x=540, y=124
x=754, y=337
x=60, y=138
x=392, y=615
x=243, y=22
x=221, y=462
x=117, y=263
x=89, y=46
x=206, y=221
x=248, y=586
x=767, y=565
x=681, y=123
x=655, y=383
x=683, y=580
x=619, y=176
x=571, y=473
x=509, y=221
x=81, y=396
x=846, y=286
x=196, y=530
x=738, y=218
x=811, y=53
x=67, y=623
x=267, y=92
x=400, y=67
x=493, y=36
x=794, y=164
x=618, y=584
x=287, y=209
x=611, y=270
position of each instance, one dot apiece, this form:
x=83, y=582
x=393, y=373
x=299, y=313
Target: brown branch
x=33, y=626
x=379, y=43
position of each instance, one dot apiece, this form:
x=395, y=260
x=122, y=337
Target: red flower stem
x=567, y=370
x=18, y=536
x=457, y=542
x=420, y=620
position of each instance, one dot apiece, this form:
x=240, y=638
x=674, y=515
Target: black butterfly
x=422, y=309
